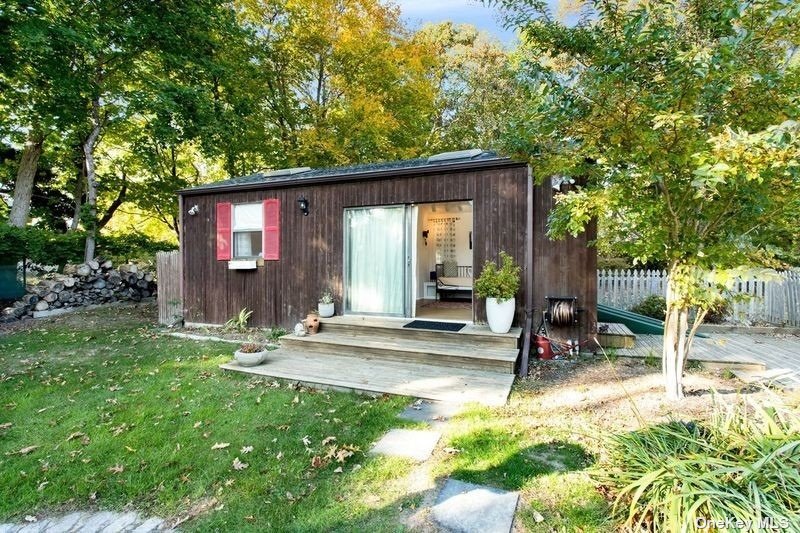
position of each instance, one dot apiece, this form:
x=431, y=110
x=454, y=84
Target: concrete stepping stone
x=431, y=412
x=468, y=508
x=415, y=444
x=104, y=521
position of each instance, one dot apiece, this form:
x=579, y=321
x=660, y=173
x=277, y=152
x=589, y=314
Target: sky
x=417, y=12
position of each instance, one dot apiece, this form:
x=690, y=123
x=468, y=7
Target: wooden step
x=379, y=347
x=613, y=335
x=391, y=377
x=469, y=335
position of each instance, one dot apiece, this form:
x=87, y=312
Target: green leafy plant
x=276, y=333
x=744, y=464
x=654, y=306
x=501, y=283
x=251, y=347
x=239, y=322
x=326, y=297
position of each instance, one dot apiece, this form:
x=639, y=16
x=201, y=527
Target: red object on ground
x=543, y=348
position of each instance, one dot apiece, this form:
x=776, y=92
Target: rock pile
x=91, y=283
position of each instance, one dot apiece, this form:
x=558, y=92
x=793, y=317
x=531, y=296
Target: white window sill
x=242, y=264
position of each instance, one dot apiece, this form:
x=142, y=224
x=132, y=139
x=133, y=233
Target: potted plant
x=250, y=354
x=312, y=322
x=499, y=286
x=326, y=308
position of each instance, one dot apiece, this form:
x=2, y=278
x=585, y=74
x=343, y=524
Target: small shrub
x=744, y=464
x=276, y=333
x=239, y=322
x=654, y=306
x=501, y=283
x=651, y=360
x=326, y=297
x=718, y=312
x=251, y=347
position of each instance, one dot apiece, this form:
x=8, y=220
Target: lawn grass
x=500, y=447
x=122, y=416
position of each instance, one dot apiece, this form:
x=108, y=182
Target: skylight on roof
x=453, y=156
x=286, y=172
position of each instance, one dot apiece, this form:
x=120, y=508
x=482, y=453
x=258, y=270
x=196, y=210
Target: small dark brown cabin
x=381, y=237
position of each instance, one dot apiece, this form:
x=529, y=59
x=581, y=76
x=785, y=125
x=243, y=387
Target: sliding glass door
x=376, y=260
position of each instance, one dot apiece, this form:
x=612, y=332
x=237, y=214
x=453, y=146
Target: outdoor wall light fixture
x=194, y=210
x=303, y=203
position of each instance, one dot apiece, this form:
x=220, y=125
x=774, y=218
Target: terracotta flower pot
x=312, y=323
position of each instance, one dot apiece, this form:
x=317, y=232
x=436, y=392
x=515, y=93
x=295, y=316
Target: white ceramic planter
x=500, y=315
x=250, y=359
x=326, y=310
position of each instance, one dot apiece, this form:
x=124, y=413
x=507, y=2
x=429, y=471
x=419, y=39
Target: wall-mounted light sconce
x=425, y=236
x=303, y=203
x=194, y=210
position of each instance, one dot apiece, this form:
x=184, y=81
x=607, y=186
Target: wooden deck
x=764, y=358
x=613, y=335
x=417, y=380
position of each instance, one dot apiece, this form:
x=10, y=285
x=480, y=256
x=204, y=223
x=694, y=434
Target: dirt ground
x=625, y=394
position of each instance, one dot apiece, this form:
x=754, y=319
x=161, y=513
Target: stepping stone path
x=104, y=521
x=460, y=507
x=469, y=508
x=416, y=444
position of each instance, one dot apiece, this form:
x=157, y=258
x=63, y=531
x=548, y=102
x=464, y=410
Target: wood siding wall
x=282, y=292
x=565, y=267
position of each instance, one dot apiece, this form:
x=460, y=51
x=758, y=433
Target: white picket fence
x=774, y=301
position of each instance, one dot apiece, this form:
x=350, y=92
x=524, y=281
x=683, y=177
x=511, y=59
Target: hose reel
x=562, y=311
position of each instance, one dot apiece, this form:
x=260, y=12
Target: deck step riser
x=388, y=354
x=484, y=341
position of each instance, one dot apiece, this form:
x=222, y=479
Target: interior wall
x=426, y=254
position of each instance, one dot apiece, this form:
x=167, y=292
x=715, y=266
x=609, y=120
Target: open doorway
x=443, y=279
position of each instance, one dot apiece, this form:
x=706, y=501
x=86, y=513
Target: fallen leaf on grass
x=328, y=440
x=116, y=469
x=246, y=449
x=197, y=424
x=238, y=465
x=279, y=456
x=132, y=450
x=452, y=451
x=220, y=445
x=316, y=462
x=338, y=470
x=6, y=425
x=42, y=485
x=23, y=451
x=306, y=441
x=75, y=435
x=29, y=518
x=296, y=399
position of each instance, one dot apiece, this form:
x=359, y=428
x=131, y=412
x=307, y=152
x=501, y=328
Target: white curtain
x=376, y=260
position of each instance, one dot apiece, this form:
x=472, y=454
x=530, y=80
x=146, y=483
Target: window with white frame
x=247, y=227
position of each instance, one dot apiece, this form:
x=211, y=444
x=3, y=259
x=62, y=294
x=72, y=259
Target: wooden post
x=170, y=303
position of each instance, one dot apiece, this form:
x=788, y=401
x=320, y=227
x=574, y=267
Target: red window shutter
x=223, y=231
x=272, y=229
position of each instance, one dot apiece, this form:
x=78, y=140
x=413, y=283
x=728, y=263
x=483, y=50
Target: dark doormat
x=436, y=326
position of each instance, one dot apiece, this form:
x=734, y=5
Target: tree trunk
x=678, y=336
x=80, y=189
x=91, y=182
x=118, y=201
x=26, y=174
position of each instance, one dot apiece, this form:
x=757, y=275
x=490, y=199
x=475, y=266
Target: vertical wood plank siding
x=563, y=267
x=282, y=292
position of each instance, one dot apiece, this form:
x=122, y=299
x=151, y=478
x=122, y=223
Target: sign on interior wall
x=444, y=238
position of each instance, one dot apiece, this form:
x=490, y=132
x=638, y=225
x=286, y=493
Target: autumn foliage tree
x=680, y=116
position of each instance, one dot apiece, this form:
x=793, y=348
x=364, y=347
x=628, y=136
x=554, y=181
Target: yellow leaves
x=238, y=465
x=116, y=469
x=220, y=445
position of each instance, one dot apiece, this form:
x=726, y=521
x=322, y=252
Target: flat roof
x=303, y=176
